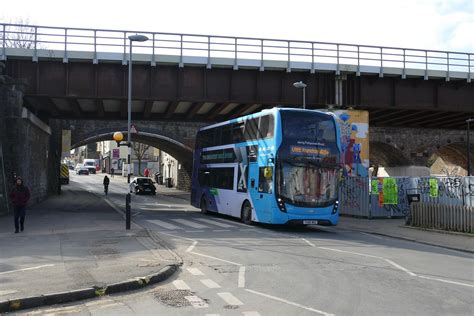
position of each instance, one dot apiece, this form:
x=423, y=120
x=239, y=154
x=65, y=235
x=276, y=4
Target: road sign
x=133, y=129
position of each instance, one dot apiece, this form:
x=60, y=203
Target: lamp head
x=299, y=85
x=138, y=38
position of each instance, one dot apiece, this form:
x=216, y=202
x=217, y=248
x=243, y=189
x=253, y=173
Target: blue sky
x=424, y=24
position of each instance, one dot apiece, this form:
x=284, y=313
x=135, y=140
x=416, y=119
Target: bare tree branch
x=140, y=150
x=20, y=36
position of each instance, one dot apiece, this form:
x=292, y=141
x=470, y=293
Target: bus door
x=261, y=190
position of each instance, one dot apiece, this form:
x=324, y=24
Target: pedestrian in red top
x=19, y=197
x=146, y=172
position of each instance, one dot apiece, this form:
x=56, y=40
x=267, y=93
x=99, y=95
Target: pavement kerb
x=14, y=305
x=410, y=239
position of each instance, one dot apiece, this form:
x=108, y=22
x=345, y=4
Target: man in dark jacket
x=106, y=184
x=19, y=197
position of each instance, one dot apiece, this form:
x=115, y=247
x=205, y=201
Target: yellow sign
x=298, y=150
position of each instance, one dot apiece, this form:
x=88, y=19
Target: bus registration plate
x=310, y=222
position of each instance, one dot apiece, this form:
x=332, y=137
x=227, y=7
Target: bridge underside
x=83, y=90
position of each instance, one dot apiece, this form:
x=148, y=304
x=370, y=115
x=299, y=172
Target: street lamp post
x=301, y=85
x=468, y=147
x=132, y=38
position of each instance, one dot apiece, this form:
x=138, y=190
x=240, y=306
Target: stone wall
x=25, y=141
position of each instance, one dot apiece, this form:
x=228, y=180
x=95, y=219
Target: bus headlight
x=281, y=204
x=335, y=207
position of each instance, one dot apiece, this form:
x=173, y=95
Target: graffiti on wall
x=354, y=125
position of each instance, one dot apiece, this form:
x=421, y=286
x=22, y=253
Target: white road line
x=251, y=314
x=212, y=315
x=6, y=292
x=215, y=258
x=180, y=285
x=194, y=231
x=445, y=281
x=230, y=299
x=27, y=269
x=230, y=222
x=210, y=284
x=350, y=252
x=290, y=303
x=221, y=230
x=163, y=224
x=195, y=271
x=247, y=229
x=189, y=223
x=196, y=301
x=190, y=248
x=215, y=223
x=100, y=302
x=396, y=265
x=308, y=242
x=241, y=277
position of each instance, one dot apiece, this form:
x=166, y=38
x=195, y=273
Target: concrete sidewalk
x=396, y=228
x=76, y=241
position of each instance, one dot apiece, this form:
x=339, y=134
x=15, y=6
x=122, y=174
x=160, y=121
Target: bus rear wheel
x=246, y=215
x=203, y=206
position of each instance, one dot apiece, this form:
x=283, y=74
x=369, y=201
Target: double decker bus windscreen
x=307, y=167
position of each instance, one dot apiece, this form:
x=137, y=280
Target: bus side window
x=265, y=128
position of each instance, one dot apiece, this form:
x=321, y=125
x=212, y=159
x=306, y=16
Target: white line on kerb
x=241, y=277
x=308, y=242
x=350, y=252
x=27, y=269
x=190, y=248
x=396, y=265
x=290, y=303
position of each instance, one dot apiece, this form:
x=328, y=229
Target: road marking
x=196, y=301
x=251, y=314
x=229, y=298
x=350, y=252
x=308, y=242
x=100, y=302
x=290, y=303
x=180, y=285
x=6, y=292
x=195, y=271
x=189, y=223
x=215, y=223
x=194, y=231
x=210, y=284
x=247, y=229
x=221, y=230
x=215, y=258
x=212, y=315
x=445, y=281
x=27, y=269
x=396, y=265
x=190, y=248
x=241, y=277
x=163, y=224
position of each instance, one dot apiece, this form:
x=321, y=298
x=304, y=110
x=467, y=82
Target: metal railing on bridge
x=45, y=41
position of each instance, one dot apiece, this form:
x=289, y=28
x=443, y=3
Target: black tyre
x=246, y=215
x=204, y=206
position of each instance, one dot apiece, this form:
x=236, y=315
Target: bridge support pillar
x=339, y=89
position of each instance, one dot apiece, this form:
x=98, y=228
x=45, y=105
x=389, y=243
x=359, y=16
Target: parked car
x=83, y=170
x=91, y=165
x=142, y=185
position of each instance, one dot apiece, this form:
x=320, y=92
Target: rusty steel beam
x=402, y=118
x=237, y=112
x=171, y=108
x=218, y=108
x=432, y=117
x=49, y=105
x=446, y=119
x=75, y=107
x=147, y=109
x=193, y=109
x=389, y=114
x=99, y=105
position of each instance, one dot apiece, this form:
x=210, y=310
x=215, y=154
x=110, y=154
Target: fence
x=66, y=41
x=361, y=197
x=446, y=217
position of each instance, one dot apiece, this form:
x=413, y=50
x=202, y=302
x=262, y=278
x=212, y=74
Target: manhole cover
x=173, y=298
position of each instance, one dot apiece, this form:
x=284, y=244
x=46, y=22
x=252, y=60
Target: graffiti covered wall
x=354, y=126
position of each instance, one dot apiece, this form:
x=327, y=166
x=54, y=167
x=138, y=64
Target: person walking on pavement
x=112, y=172
x=146, y=172
x=106, y=185
x=19, y=197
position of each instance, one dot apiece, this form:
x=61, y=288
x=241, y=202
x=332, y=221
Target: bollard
x=127, y=211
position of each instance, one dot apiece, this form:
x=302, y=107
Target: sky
x=422, y=24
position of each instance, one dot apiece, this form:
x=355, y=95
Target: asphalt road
x=234, y=269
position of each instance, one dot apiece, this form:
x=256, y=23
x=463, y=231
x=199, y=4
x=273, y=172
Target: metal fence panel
x=354, y=196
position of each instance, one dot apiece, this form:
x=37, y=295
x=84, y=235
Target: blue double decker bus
x=278, y=166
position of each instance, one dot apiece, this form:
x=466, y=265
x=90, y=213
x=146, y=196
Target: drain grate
x=173, y=298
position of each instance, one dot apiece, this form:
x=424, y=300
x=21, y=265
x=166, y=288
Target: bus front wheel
x=203, y=206
x=246, y=215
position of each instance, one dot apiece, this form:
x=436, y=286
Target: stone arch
x=181, y=152
x=451, y=159
x=383, y=154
